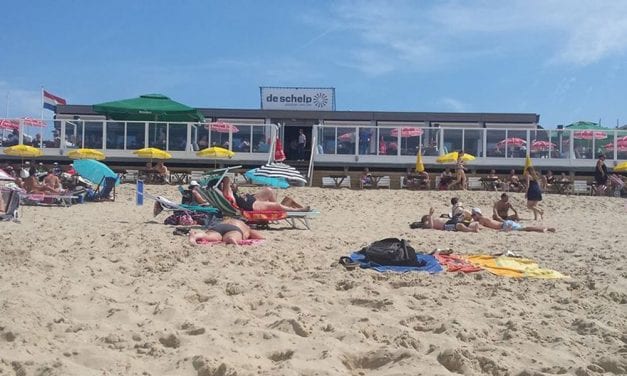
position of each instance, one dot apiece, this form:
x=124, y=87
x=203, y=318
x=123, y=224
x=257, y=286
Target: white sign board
x=298, y=98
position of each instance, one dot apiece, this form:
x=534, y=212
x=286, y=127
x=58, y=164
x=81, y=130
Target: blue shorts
x=511, y=225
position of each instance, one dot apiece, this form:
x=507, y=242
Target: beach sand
x=106, y=289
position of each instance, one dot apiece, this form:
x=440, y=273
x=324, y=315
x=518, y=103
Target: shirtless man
x=500, y=211
x=506, y=225
x=428, y=222
x=163, y=171
x=53, y=182
x=229, y=231
x=31, y=185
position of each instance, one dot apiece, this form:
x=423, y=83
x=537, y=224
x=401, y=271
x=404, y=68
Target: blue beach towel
x=432, y=265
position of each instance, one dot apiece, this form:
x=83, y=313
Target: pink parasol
x=513, y=141
x=589, y=135
x=621, y=144
x=347, y=137
x=9, y=124
x=222, y=127
x=542, y=145
x=407, y=132
x=33, y=122
x=5, y=176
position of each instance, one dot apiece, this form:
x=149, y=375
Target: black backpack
x=391, y=251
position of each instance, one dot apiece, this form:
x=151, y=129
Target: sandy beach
x=106, y=289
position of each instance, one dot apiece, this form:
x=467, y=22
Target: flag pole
x=41, y=138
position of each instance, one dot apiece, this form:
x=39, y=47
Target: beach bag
x=391, y=251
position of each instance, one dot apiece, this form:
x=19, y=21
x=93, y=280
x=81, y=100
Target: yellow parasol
x=420, y=167
x=527, y=164
x=452, y=157
x=215, y=152
x=152, y=153
x=621, y=167
x=86, y=154
x=23, y=151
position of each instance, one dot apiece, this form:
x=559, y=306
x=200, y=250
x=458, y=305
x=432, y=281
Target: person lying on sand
x=264, y=199
x=500, y=211
x=428, y=222
x=229, y=231
x=507, y=225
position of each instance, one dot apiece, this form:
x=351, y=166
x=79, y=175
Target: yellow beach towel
x=513, y=267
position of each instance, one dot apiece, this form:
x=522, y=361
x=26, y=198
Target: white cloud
x=412, y=34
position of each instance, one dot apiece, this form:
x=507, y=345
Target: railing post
x=485, y=143
x=104, y=135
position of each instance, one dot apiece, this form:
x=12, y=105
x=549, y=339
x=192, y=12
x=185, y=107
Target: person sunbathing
x=507, y=225
x=428, y=222
x=500, y=211
x=264, y=200
x=53, y=182
x=31, y=185
x=229, y=231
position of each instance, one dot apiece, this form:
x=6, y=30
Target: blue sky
x=566, y=60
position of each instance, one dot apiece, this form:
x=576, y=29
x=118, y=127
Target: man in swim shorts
x=264, y=199
x=500, y=211
x=229, y=231
x=507, y=225
x=428, y=222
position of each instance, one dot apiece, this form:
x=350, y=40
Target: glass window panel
x=346, y=139
x=494, y=149
x=621, y=150
x=452, y=140
x=115, y=135
x=473, y=142
x=241, y=139
x=514, y=148
x=387, y=144
x=410, y=143
x=200, y=137
x=431, y=142
x=135, y=136
x=73, y=134
x=93, y=134
x=157, y=135
x=261, y=140
x=219, y=139
x=177, y=137
x=541, y=145
x=326, y=140
x=367, y=138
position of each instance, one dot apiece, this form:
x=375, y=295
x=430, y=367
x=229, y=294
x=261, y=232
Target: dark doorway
x=291, y=129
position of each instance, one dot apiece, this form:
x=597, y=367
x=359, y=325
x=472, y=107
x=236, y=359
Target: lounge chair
x=173, y=206
x=11, y=199
x=46, y=199
x=214, y=196
x=104, y=189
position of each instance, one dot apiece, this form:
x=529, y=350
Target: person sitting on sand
x=229, y=231
x=445, y=178
x=507, y=225
x=264, y=199
x=495, y=181
x=366, y=178
x=164, y=174
x=500, y=211
x=53, y=182
x=428, y=222
x=514, y=182
x=31, y=185
x=548, y=180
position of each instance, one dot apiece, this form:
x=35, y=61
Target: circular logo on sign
x=320, y=100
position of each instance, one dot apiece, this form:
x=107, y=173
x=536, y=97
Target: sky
x=565, y=60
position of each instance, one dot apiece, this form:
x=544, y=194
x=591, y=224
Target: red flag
x=279, y=155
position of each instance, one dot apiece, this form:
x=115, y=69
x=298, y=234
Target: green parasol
x=149, y=107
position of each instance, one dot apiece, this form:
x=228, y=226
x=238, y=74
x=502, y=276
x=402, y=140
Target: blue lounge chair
x=104, y=189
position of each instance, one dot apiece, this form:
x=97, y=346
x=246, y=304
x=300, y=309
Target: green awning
x=586, y=125
x=149, y=107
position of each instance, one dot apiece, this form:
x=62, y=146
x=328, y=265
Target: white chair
x=474, y=182
x=328, y=182
x=196, y=175
x=581, y=186
x=384, y=182
x=130, y=176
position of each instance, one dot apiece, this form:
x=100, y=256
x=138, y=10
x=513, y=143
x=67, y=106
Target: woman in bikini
x=229, y=231
x=460, y=171
x=264, y=200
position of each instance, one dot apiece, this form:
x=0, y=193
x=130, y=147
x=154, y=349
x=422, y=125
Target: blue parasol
x=94, y=171
x=276, y=182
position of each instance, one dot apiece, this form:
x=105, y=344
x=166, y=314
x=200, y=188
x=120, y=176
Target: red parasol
x=9, y=124
x=621, y=144
x=347, y=137
x=542, y=145
x=279, y=155
x=513, y=141
x=407, y=132
x=222, y=127
x=589, y=135
x=33, y=122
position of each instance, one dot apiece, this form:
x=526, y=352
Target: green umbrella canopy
x=585, y=125
x=149, y=107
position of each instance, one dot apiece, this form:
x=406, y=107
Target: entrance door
x=291, y=128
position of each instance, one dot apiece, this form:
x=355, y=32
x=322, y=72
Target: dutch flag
x=51, y=101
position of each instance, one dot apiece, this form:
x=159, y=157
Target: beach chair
x=581, y=186
x=46, y=199
x=474, y=182
x=11, y=199
x=384, y=182
x=104, y=189
x=169, y=205
x=130, y=176
x=215, y=197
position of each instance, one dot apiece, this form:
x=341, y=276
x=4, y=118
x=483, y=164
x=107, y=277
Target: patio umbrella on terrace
x=222, y=127
x=152, y=153
x=10, y=124
x=86, y=154
x=586, y=130
x=542, y=145
x=452, y=157
x=513, y=141
x=149, y=107
x=621, y=145
x=621, y=167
